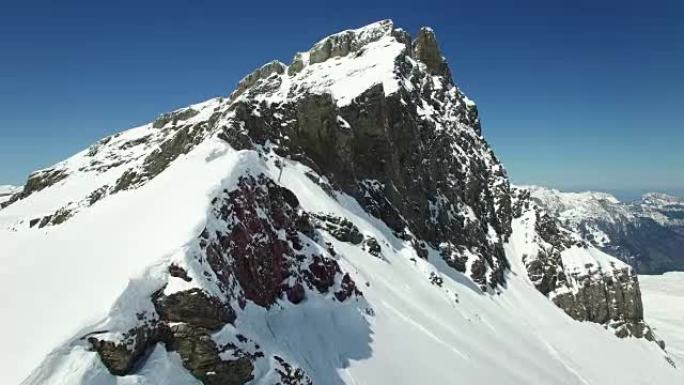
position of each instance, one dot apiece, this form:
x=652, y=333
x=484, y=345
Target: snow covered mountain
x=337, y=220
x=6, y=191
x=647, y=233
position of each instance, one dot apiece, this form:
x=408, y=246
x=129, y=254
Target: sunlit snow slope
x=664, y=307
x=422, y=332
x=196, y=249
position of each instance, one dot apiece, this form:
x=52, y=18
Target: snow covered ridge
x=647, y=233
x=586, y=283
x=330, y=221
x=421, y=186
x=6, y=191
x=116, y=163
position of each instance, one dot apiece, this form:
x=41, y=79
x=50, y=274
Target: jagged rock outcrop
x=263, y=72
x=174, y=117
x=251, y=259
x=602, y=290
x=201, y=356
x=37, y=181
x=183, y=139
x=416, y=170
x=427, y=51
x=186, y=321
x=344, y=43
x=194, y=307
x=259, y=247
x=354, y=180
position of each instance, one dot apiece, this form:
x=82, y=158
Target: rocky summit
x=340, y=219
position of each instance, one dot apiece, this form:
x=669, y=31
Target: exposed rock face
x=343, y=43
x=648, y=233
x=120, y=357
x=174, y=117
x=610, y=298
x=201, y=357
x=249, y=257
x=274, y=67
x=135, y=156
x=56, y=218
x=184, y=139
x=427, y=51
x=193, y=307
x=244, y=249
x=186, y=321
x=179, y=272
x=37, y=181
x=417, y=171
x=340, y=228
x=405, y=153
x=604, y=292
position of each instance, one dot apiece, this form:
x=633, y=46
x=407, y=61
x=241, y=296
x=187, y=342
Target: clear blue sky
x=573, y=94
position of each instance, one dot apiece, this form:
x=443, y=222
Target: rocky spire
x=341, y=44
x=427, y=51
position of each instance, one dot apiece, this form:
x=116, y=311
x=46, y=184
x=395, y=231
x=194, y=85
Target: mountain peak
x=427, y=51
x=347, y=63
x=660, y=198
x=341, y=43
x=343, y=200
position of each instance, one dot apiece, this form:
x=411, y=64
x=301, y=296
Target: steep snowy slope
x=664, y=305
x=337, y=220
x=647, y=233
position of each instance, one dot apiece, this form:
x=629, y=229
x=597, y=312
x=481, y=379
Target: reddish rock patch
x=258, y=251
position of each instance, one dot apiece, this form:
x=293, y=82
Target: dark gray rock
x=37, y=181
x=186, y=321
x=372, y=246
x=400, y=167
x=179, y=272
x=180, y=142
x=121, y=357
x=340, y=228
x=200, y=356
x=193, y=307
x=290, y=375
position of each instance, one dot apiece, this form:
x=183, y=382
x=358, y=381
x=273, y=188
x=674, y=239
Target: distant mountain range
x=647, y=233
